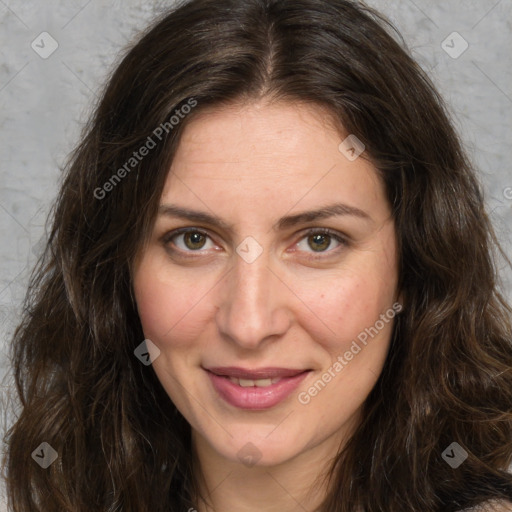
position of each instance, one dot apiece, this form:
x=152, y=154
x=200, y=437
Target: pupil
x=319, y=242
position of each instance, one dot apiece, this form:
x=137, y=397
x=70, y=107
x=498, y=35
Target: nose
x=253, y=307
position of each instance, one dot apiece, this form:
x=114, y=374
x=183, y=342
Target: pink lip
x=255, y=397
x=257, y=373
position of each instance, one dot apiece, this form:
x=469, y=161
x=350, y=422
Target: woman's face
x=268, y=283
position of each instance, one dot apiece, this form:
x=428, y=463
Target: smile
x=255, y=389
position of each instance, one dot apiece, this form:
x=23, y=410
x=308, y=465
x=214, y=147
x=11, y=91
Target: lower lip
x=254, y=397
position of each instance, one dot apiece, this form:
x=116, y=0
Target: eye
x=193, y=240
x=189, y=240
x=320, y=241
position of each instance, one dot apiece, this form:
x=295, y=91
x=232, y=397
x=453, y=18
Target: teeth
x=249, y=383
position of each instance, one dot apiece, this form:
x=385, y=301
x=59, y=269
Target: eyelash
x=168, y=238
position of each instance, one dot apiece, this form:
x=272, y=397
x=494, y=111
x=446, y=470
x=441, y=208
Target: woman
x=269, y=284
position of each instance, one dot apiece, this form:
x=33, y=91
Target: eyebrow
x=334, y=210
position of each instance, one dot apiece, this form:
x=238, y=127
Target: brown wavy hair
x=121, y=443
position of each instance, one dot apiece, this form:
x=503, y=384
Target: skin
x=293, y=307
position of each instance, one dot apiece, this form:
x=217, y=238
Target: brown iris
x=194, y=240
x=319, y=242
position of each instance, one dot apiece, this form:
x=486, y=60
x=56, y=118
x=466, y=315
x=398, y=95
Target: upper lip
x=255, y=374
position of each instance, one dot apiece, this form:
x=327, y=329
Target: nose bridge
x=251, y=309
x=252, y=285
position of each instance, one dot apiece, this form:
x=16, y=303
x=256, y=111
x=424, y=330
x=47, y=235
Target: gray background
x=44, y=103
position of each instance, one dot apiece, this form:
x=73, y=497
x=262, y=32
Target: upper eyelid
x=168, y=235
x=342, y=239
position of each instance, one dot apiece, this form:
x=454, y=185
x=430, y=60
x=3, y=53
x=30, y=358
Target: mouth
x=259, y=388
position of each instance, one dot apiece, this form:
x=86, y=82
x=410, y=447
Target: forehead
x=256, y=131
x=284, y=152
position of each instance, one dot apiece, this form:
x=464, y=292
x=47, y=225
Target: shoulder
x=492, y=506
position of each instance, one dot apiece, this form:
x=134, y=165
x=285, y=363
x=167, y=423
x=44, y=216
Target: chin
x=254, y=447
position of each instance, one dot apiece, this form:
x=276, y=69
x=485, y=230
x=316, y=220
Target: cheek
x=353, y=304
x=349, y=303
x=170, y=310
x=354, y=350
